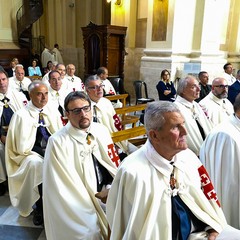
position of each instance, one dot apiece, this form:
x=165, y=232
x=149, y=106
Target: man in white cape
x=220, y=154
x=196, y=122
x=102, y=73
x=139, y=204
x=70, y=180
x=216, y=105
x=103, y=112
x=24, y=159
x=10, y=101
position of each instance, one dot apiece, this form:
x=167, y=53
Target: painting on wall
x=160, y=18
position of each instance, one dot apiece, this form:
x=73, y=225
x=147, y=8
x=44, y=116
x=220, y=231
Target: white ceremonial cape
x=75, y=83
x=71, y=210
x=57, y=97
x=109, y=89
x=217, y=110
x=46, y=56
x=229, y=77
x=23, y=179
x=139, y=201
x=17, y=101
x=108, y=117
x=15, y=84
x=220, y=154
x=57, y=56
x=194, y=138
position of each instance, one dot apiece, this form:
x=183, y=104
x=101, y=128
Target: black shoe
x=2, y=189
x=37, y=217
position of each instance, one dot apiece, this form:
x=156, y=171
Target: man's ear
x=152, y=135
x=66, y=113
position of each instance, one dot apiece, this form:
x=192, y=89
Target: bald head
x=220, y=88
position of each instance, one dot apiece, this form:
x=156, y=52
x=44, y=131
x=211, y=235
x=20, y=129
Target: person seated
x=75, y=83
x=11, y=71
x=26, y=141
x=34, y=70
x=45, y=77
x=234, y=89
x=216, y=105
x=205, y=88
x=79, y=165
x=49, y=67
x=196, y=122
x=220, y=154
x=228, y=73
x=20, y=82
x=103, y=112
x=162, y=191
x=165, y=87
x=57, y=94
x=10, y=102
x=102, y=73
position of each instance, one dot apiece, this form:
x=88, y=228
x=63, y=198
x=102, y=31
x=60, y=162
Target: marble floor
x=15, y=227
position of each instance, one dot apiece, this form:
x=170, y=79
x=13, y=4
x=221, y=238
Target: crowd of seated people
x=57, y=133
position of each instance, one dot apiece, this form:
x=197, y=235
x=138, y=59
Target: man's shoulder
x=60, y=135
x=99, y=129
x=22, y=113
x=236, y=85
x=104, y=101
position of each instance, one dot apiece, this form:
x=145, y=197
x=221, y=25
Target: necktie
x=98, y=172
x=181, y=222
x=95, y=119
x=6, y=116
x=20, y=85
x=198, y=123
x=72, y=79
x=42, y=128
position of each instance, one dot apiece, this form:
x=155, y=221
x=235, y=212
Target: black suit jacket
x=233, y=91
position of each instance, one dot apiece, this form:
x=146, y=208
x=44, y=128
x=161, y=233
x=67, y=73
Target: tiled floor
x=15, y=227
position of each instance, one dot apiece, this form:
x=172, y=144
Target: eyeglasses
x=222, y=86
x=77, y=111
x=97, y=87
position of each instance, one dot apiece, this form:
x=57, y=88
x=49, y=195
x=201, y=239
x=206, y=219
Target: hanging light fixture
x=117, y=2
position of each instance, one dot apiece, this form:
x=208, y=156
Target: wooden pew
x=121, y=97
x=130, y=119
x=127, y=134
x=124, y=118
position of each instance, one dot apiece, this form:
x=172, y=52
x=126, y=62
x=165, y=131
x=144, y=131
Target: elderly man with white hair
x=162, y=191
x=197, y=124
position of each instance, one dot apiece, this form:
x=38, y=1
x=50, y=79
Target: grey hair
x=182, y=84
x=34, y=84
x=91, y=78
x=154, y=114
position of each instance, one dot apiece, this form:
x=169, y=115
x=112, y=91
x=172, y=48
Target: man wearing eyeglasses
x=79, y=165
x=216, y=105
x=103, y=112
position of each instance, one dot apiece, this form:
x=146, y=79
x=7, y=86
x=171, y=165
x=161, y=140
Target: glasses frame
x=77, y=111
x=96, y=87
x=221, y=86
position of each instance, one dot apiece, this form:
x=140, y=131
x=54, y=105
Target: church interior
x=136, y=40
